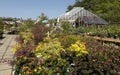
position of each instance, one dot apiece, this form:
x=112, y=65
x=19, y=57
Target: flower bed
x=65, y=55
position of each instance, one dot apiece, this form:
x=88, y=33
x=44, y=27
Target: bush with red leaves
x=39, y=32
x=27, y=51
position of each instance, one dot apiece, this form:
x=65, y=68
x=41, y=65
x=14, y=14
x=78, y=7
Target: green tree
x=53, y=21
x=41, y=18
x=66, y=26
x=27, y=25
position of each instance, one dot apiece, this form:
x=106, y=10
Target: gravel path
x=6, y=54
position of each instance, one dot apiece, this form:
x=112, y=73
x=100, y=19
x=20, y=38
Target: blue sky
x=33, y=8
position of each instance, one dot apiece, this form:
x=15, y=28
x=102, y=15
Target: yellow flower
x=14, y=49
x=39, y=68
x=78, y=54
x=35, y=70
x=27, y=72
x=79, y=48
x=94, y=60
x=84, y=52
x=74, y=47
x=47, y=39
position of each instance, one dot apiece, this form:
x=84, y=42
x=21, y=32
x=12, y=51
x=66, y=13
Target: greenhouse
x=80, y=16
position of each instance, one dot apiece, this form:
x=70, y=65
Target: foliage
x=16, y=47
x=27, y=37
x=48, y=48
x=26, y=61
x=27, y=66
x=102, y=31
x=53, y=53
x=1, y=26
x=53, y=21
x=33, y=35
x=64, y=54
x=104, y=59
x=41, y=18
x=27, y=51
x=1, y=31
x=101, y=60
x=50, y=53
x=39, y=32
x=19, y=39
x=66, y=26
x=26, y=25
x=79, y=48
x=67, y=40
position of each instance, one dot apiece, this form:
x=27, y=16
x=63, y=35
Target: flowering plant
x=79, y=48
x=47, y=50
x=16, y=47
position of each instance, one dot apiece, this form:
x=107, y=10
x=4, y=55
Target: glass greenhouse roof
x=84, y=15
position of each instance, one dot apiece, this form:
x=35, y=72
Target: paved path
x=6, y=54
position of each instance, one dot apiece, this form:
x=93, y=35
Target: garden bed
x=62, y=54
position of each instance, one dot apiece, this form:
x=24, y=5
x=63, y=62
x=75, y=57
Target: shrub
x=67, y=55
x=27, y=38
x=19, y=39
x=103, y=59
x=26, y=60
x=67, y=40
x=58, y=60
x=79, y=48
x=39, y=32
x=27, y=51
x=1, y=31
x=66, y=26
x=27, y=66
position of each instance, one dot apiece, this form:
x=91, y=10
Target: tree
x=66, y=26
x=27, y=25
x=41, y=18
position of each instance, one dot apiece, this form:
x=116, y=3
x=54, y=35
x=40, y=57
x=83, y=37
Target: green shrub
x=27, y=38
x=66, y=26
x=1, y=31
x=101, y=31
x=67, y=40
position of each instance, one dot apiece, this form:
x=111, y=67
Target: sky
x=33, y=8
